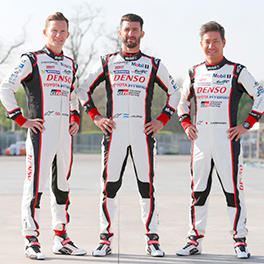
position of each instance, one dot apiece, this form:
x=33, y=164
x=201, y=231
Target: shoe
x=63, y=245
x=32, y=249
x=104, y=245
x=153, y=247
x=193, y=246
x=241, y=248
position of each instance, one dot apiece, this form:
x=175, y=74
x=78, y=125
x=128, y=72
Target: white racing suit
x=217, y=90
x=48, y=82
x=129, y=82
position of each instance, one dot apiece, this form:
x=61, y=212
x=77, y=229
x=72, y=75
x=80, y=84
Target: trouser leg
x=230, y=173
x=142, y=152
x=38, y=161
x=201, y=180
x=61, y=170
x=114, y=159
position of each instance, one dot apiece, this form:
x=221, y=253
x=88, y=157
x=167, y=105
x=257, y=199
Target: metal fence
x=252, y=143
x=165, y=143
x=87, y=143
x=8, y=138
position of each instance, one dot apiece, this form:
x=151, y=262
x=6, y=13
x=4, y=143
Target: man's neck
x=214, y=61
x=56, y=50
x=130, y=50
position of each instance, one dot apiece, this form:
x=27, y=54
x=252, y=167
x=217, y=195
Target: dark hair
x=132, y=18
x=212, y=26
x=57, y=16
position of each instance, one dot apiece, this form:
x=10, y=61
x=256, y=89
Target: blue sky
x=171, y=26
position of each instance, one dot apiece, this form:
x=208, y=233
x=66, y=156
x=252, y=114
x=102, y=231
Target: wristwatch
x=246, y=125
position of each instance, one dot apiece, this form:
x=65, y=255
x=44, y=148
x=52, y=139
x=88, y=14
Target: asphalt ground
x=172, y=183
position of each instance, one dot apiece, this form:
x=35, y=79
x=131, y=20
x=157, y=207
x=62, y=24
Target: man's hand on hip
x=236, y=132
x=35, y=125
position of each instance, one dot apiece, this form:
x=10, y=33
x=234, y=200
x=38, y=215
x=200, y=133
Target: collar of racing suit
x=216, y=66
x=130, y=56
x=52, y=54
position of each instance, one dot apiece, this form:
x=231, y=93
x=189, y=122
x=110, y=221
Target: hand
x=236, y=132
x=191, y=132
x=105, y=124
x=35, y=125
x=74, y=127
x=153, y=127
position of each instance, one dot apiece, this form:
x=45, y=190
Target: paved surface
x=172, y=192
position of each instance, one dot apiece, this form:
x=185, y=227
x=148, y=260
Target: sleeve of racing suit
x=167, y=83
x=74, y=103
x=9, y=87
x=95, y=77
x=255, y=90
x=74, y=106
x=184, y=107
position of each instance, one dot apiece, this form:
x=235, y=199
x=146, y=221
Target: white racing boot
x=63, y=245
x=193, y=246
x=32, y=248
x=104, y=245
x=153, y=247
x=241, y=248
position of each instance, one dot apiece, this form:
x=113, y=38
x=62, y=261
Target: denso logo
x=132, y=78
x=216, y=89
x=228, y=76
x=59, y=78
x=29, y=167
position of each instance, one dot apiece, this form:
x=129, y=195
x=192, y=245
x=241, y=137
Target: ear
x=224, y=41
x=119, y=33
x=142, y=34
x=45, y=32
x=68, y=34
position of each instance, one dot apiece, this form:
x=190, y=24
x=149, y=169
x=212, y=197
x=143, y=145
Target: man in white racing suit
x=48, y=79
x=217, y=85
x=129, y=77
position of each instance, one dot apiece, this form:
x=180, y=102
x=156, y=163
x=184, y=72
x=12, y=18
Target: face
x=213, y=45
x=130, y=34
x=56, y=33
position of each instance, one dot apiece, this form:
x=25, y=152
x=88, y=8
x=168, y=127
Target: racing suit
x=217, y=90
x=129, y=82
x=48, y=82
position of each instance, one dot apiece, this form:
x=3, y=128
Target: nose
x=59, y=34
x=211, y=45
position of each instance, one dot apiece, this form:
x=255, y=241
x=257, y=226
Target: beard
x=131, y=44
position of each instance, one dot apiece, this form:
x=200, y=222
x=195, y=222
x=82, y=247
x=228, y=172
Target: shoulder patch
x=156, y=62
x=31, y=56
x=192, y=71
x=75, y=66
x=238, y=69
x=104, y=59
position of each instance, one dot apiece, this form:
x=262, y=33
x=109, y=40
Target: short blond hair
x=57, y=16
